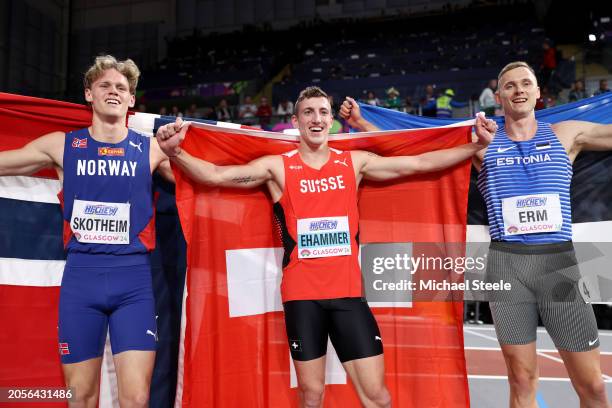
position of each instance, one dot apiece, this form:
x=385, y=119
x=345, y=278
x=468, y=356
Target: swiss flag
x=235, y=347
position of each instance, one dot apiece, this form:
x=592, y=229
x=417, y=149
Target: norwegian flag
x=64, y=349
x=79, y=143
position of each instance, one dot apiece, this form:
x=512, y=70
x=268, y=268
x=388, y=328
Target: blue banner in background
x=595, y=109
x=591, y=184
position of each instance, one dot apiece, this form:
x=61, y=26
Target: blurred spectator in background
x=577, y=93
x=393, y=100
x=546, y=100
x=247, y=109
x=603, y=87
x=193, y=112
x=408, y=106
x=264, y=112
x=371, y=99
x=142, y=108
x=223, y=112
x=428, y=102
x=487, y=98
x=209, y=112
x=549, y=61
x=285, y=110
x=331, y=103
x=176, y=112
x=445, y=104
x=163, y=111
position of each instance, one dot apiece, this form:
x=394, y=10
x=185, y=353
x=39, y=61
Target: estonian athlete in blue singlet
x=109, y=231
x=525, y=176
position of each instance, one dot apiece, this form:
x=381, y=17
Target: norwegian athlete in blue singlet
x=108, y=230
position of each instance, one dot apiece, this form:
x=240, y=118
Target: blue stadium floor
x=487, y=371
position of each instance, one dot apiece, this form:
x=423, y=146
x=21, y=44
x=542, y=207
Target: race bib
x=531, y=214
x=94, y=222
x=323, y=237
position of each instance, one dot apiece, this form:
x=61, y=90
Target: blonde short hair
x=513, y=65
x=127, y=68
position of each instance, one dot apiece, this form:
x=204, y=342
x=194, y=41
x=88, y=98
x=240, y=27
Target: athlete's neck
x=522, y=128
x=314, y=156
x=108, y=131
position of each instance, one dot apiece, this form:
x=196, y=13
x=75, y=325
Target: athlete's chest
x=93, y=159
x=335, y=178
x=541, y=152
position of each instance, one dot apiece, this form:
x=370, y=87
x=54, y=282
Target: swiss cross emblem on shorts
x=63, y=349
x=295, y=345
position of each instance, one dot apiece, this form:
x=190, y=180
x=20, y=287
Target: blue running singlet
x=108, y=205
x=526, y=187
x=109, y=231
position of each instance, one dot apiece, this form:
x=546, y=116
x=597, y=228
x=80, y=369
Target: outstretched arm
x=250, y=175
x=374, y=167
x=43, y=152
x=379, y=168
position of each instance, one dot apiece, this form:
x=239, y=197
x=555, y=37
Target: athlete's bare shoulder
x=361, y=157
x=275, y=167
x=568, y=133
x=51, y=144
x=157, y=155
x=274, y=164
x=570, y=128
x=52, y=138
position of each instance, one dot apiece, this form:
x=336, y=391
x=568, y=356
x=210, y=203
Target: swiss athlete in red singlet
x=314, y=190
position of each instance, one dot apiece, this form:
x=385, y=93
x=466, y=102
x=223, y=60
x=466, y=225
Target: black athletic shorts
x=348, y=322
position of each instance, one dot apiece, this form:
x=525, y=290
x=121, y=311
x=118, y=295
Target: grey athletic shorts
x=545, y=282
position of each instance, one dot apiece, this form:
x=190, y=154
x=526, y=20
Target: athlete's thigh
x=514, y=311
x=520, y=358
x=367, y=374
x=83, y=378
x=307, y=329
x=132, y=320
x=311, y=373
x=568, y=318
x=572, y=325
x=82, y=321
x=582, y=367
x=515, y=323
x=134, y=370
x=353, y=329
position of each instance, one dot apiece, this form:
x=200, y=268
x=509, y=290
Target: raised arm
x=351, y=112
x=374, y=167
x=253, y=174
x=160, y=162
x=46, y=151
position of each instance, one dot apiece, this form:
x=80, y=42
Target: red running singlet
x=318, y=220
